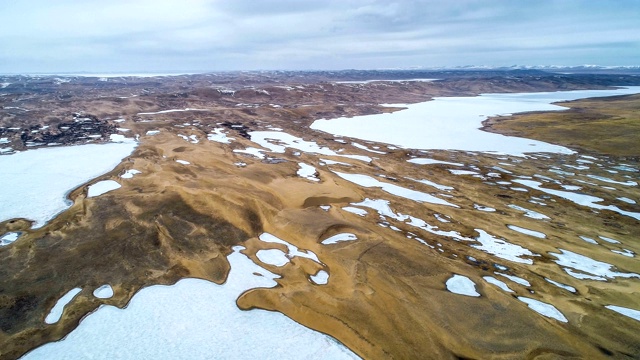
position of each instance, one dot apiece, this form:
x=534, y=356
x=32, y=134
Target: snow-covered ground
x=38, y=180
x=56, y=312
x=103, y=292
x=502, y=249
x=578, y=198
x=368, y=181
x=339, y=238
x=195, y=319
x=278, y=141
x=320, y=278
x=219, y=136
x=102, y=187
x=543, y=308
x=371, y=81
x=587, y=267
x=527, y=231
x=498, y=283
x=453, y=122
x=462, y=285
x=307, y=171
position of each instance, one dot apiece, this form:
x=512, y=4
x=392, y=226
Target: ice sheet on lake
x=117, y=138
x=368, y=181
x=102, y=187
x=195, y=319
x=543, y=308
x=462, y=285
x=339, y=238
x=57, y=310
x=454, y=122
x=502, y=249
x=103, y=292
x=589, y=268
x=35, y=182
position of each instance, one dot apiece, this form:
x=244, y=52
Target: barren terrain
x=201, y=190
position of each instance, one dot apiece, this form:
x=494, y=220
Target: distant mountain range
x=552, y=68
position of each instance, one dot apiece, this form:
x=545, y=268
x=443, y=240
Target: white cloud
x=73, y=35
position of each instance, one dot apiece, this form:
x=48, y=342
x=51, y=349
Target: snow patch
x=103, y=292
x=543, y=308
x=339, y=238
x=320, y=278
x=102, y=187
x=57, y=310
x=527, y=231
x=462, y=285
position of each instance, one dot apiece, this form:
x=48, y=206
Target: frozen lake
x=452, y=123
x=35, y=182
x=195, y=319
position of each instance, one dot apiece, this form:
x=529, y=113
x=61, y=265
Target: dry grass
x=603, y=125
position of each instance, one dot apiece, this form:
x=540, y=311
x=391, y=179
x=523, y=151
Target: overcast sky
x=208, y=35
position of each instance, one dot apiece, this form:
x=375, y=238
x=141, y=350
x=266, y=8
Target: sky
x=49, y=36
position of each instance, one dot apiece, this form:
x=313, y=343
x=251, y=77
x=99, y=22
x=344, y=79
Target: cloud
x=91, y=35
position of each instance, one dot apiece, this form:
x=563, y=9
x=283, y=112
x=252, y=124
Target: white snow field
x=454, y=122
x=37, y=181
x=194, y=319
